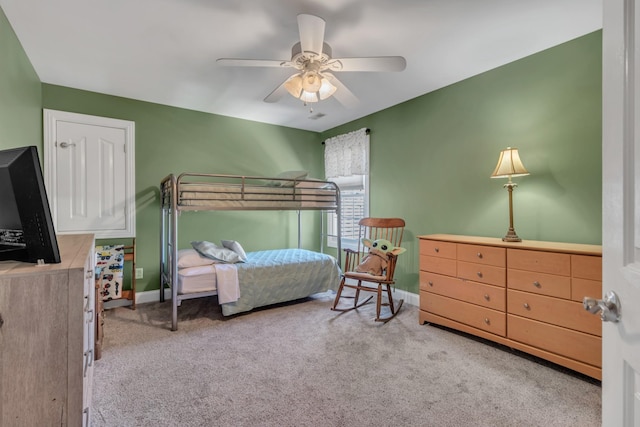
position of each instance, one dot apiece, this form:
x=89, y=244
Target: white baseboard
x=151, y=296
x=154, y=296
x=408, y=297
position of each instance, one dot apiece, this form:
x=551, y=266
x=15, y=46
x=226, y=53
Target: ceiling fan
x=311, y=57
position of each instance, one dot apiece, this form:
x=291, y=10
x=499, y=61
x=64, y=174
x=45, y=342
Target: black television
x=26, y=228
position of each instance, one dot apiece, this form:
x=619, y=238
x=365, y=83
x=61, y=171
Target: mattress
x=197, y=279
x=217, y=195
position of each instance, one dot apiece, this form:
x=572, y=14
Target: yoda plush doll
x=375, y=262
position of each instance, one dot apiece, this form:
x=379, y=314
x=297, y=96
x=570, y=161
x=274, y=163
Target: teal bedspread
x=274, y=276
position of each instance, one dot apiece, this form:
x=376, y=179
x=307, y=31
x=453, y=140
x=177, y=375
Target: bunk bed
x=267, y=277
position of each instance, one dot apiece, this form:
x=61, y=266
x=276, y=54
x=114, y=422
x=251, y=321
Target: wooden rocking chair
x=390, y=229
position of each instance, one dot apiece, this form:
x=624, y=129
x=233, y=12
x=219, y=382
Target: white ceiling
x=165, y=51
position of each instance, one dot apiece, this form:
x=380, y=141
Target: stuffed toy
x=375, y=262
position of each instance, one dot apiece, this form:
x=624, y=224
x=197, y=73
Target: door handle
x=67, y=144
x=608, y=307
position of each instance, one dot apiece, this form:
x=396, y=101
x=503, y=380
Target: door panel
x=94, y=159
x=621, y=213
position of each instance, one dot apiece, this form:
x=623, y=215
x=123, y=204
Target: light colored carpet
x=302, y=364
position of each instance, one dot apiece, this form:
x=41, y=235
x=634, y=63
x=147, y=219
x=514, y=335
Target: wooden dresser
x=46, y=338
x=526, y=295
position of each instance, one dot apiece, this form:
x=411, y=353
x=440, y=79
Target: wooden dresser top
x=573, y=248
x=73, y=254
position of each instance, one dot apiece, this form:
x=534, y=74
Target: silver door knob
x=67, y=144
x=608, y=307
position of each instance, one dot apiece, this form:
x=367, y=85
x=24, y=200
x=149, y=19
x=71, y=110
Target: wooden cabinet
x=526, y=295
x=46, y=338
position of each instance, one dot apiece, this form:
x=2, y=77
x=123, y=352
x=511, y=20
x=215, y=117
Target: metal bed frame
x=212, y=193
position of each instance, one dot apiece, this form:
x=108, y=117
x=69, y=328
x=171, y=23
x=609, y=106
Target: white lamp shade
x=326, y=89
x=294, y=85
x=309, y=96
x=509, y=164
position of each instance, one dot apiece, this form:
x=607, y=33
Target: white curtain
x=347, y=154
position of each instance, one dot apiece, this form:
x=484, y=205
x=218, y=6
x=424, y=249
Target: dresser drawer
x=565, y=342
x=543, y=262
x=438, y=249
x=482, y=255
x=438, y=265
x=586, y=267
x=581, y=288
x=482, y=273
x=473, y=292
x=478, y=317
x=539, y=283
x=565, y=313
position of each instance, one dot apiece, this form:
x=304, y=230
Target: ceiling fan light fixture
x=294, y=85
x=298, y=86
x=326, y=89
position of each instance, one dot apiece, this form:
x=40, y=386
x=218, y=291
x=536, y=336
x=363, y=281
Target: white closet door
x=91, y=177
x=90, y=174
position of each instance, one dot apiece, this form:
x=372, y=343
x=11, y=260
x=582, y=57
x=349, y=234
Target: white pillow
x=213, y=251
x=288, y=175
x=235, y=247
x=191, y=258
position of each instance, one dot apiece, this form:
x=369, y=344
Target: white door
x=621, y=211
x=90, y=186
x=89, y=174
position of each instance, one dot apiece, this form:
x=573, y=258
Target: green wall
x=20, y=93
x=173, y=140
x=431, y=157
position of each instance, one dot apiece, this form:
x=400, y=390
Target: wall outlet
x=139, y=273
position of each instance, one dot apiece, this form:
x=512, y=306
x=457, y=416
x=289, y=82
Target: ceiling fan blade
x=342, y=94
x=277, y=93
x=232, y=62
x=311, y=30
x=375, y=63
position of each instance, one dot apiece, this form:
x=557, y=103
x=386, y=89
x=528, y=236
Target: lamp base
x=511, y=236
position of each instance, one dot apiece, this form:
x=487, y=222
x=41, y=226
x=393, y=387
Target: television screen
x=26, y=228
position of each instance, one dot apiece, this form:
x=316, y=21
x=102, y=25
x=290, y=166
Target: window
x=354, y=203
x=347, y=164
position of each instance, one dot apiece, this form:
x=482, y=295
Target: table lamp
x=510, y=165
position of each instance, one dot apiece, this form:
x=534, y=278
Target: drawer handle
x=479, y=255
x=436, y=249
x=88, y=361
x=487, y=297
x=487, y=321
x=430, y=283
x=479, y=273
x=527, y=306
x=537, y=284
